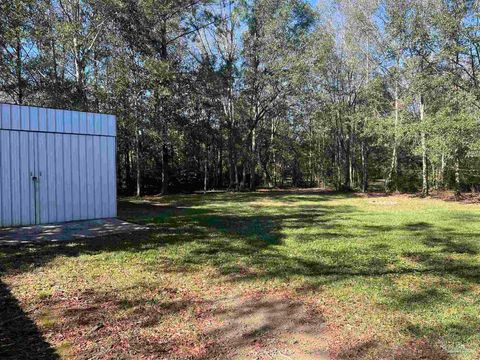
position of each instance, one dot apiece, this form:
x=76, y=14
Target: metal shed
x=56, y=165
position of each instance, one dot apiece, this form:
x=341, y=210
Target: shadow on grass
x=19, y=336
x=254, y=238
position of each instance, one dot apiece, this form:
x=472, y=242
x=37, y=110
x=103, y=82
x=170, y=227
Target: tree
x=239, y=94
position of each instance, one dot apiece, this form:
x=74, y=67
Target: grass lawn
x=255, y=275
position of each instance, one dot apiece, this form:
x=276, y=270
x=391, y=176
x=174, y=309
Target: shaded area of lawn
x=400, y=266
x=19, y=336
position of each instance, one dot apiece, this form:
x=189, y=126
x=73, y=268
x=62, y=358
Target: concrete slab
x=66, y=231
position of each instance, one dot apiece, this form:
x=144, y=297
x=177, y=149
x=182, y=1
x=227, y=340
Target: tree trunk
x=220, y=166
x=54, y=61
x=79, y=73
x=351, y=155
x=364, y=167
x=393, y=173
x=138, y=168
x=347, y=168
x=310, y=153
x=95, y=82
x=233, y=184
x=164, y=155
x=244, y=177
x=165, y=172
x=338, y=160
x=229, y=111
x=441, y=175
x=128, y=169
x=457, y=174
x=205, y=170
x=19, y=66
x=274, y=155
x=424, y=149
x=253, y=161
x=237, y=179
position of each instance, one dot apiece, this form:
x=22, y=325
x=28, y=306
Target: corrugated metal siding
x=29, y=118
x=71, y=153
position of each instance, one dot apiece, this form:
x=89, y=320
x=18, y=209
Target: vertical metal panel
x=82, y=168
x=75, y=122
x=23, y=178
x=27, y=191
x=59, y=179
x=90, y=178
x=106, y=125
x=67, y=121
x=15, y=123
x=59, y=121
x=38, y=119
x=109, y=176
x=22, y=162
x=112, y=184
x=97, y=124
x=82, y=126
x=43, y=174
x=67, y=176
x=51, y=120
x=5, y=182
x=5, y=116
x=50, y=181
x=103, y=159
x=112, y=125
x=35, y=123
x=76, y=189
x=33, y=139
x=15, y=176
x=97, y=177
x=24, y=118
x=90, y=123
x=1, y=171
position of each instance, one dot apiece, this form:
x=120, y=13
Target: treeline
x=240, y=94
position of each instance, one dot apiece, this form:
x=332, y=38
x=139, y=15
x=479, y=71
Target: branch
x=65, y=12
x=196, y=28
x=99, y=26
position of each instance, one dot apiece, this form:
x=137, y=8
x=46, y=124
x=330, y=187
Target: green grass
x=389, y=275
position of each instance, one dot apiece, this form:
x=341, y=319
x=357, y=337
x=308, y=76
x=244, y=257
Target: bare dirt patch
x=268, y=326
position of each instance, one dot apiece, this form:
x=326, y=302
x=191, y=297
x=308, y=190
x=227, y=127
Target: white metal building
x=55, y=165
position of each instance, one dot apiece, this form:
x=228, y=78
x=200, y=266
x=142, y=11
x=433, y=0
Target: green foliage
x=241, y=94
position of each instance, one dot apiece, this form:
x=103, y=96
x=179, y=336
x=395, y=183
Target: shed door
x=63, y=177
x=18, y=190
x=76, y=177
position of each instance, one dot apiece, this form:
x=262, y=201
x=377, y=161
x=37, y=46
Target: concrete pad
x=66, y=231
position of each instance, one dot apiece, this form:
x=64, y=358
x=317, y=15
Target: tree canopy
x=239, y=94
